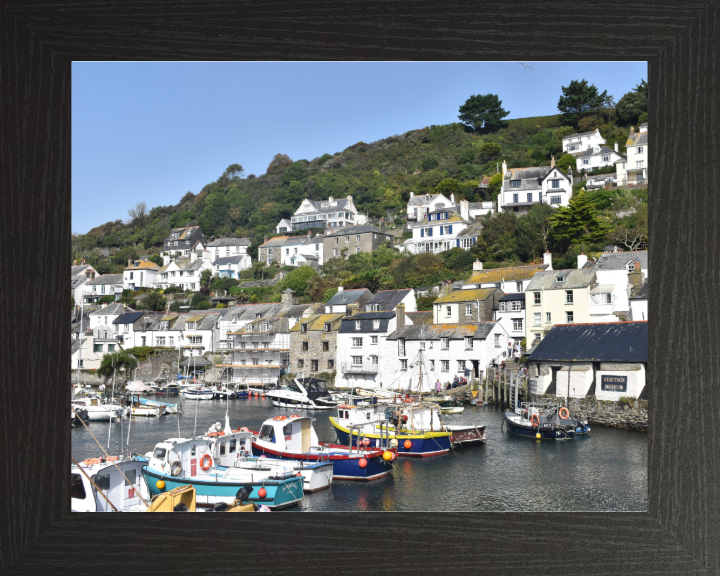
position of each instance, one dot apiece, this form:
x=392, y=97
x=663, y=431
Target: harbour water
x=604, y=471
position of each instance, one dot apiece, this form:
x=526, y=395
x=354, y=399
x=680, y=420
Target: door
x=131, y=486
x=305, y=436
x=476, y=372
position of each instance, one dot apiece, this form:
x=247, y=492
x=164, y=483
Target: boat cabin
x=122, y=492
x=313, y=387
x=87, y=402
x=288, y=434
x=223, y=451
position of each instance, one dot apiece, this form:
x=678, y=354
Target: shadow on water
x=604, y=471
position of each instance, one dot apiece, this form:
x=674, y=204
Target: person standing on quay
x=517, y=353
x=510, y=349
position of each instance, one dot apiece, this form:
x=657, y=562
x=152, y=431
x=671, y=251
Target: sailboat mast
x=82, y=309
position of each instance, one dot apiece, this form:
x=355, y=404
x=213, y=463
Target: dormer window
x=631, y=267
x=514, y=183
x=303, y=328
x=561, y=278
x=258, y=315
x=358, y=324
x=328, y=326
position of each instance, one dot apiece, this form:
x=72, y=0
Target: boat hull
x=280, y=493
x=345, y=467
x=421, y=445
x=285, y=403
x=467, y=435
x=530, y=431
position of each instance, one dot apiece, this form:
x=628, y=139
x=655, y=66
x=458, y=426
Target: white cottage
x=623, y=271
x=524, y=187
x=330, y=213
x=582, y=141
x=421, y=205
x=438, y=231
x=183, y=273
x=226, y=247
x=598, y=157
x=101, y=321
x=296, y=246
x=633, y=170
x=140, y=274
x=104, y=285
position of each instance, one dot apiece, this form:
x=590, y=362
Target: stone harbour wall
x=631, y=416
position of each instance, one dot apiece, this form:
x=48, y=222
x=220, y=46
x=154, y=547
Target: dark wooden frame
x=680, y=534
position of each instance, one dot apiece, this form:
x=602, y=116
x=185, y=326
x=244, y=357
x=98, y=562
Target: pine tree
x=578, y=222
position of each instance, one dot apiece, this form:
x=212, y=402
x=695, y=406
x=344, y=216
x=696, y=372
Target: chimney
x=330, y=201
x=444, y=288
x=552, y=161
x=166, y=259
x=266, y=238
x=309, y=234
x=129, y=263
x=307, y=312
x=477, y=266
x=340, y=288
x=635, y=278
x=581, y=259
x=349, y=197
x=504, y=169
x=464, y=209
x=616, y=147
x=400, y=313
x=411, y=195
x=452, y=198
x=193, y=256
x=632, y=132
x=547, y=259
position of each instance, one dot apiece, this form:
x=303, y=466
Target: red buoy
x=407, y=444
x=362, y=462
x=262, y=492
x=404, y=418
x=366, y=441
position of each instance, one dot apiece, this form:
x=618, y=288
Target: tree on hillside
x=153, y=301
x=234, y=171
x=279, y=163
x=566, y=161
x=630, y=107
x=116, y=361
x=139, y=212
x=642, y=88
x=589, y=123
x=631, y=232
x=205, y=278
x=295, y=172
x=295, y=193
x=483, y=112
x=391, y=200
x=447, y=187
x=579, y=99
x=534, y=231
x=494, y=187
x=156, y=259
x=489, y=151
x=578, y=222
x=608, y=106
x=297, y=280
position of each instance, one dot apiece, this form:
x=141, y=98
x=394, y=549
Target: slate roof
x=465, y=295
x=579, y=134
x=603, y=289
x=347, y=297
x=302, y=240
x=205, y=321
x=618, y=260
x=420, y=199
x=477, y=330
x=366, y=319
x=639, y=139
x=643, y=127
x=112, y=309
x=106, y=279
x=228, y=260
x=607, y=342
x=316, y=322
x=184, y=263
x=191, y=234
x=603, y=150
x=422, y=317
x=273, y=242
x=229, y=242
x=513, y=296
x=529, y=178
x=364, y=229
x=510, y=274
x=547, y=280
x=75, y=281
x=128, y=318
x=388, y=299
x=340, y=204
x=79, y=269
x=471, y=231
x=308, y=257
x=284, y=222
x=640, y=292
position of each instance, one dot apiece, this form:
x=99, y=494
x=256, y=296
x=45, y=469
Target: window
x=569, y=317
x=537, y=319
x=301, y=363
x=401, y=347
x=357, y=342
x=586, y=161
x=331, y=364
x=448, y=311
x=314, y=364
x=445, y=365
x=517, y=324
x=568, y=296
x=515, y=183
x=640, y=163
x=555, y=183
x=77, y=490
x=529, y=197
x=432, y=365
x=358, y=250
x=357, y=238
x=606, y=158
x=555, y=199
x=97, y=347
x=448, y=229
x=373, y=339
x=287, y=251
x=347, y=239
x=160, y=341
x=176, y=243
x=337, y=240
x=195, y=339
x=640, y=149
x=328, y=326
x=536, y=296
x=170, y=340
x=468, y=309
x=326, y=346
x=102, y=481
x=461, y=365
x=335, y=252
x=516, y=198
x=356, y=360
x=502, y=306
x=305, y=346
x=403, y=364
x=80, y=363
x=303, y=328
x=548, y=317
x=445, y=343
x=468, y=343
x=561, y=279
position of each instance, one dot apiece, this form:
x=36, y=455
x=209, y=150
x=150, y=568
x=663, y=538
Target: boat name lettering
x=614, y=383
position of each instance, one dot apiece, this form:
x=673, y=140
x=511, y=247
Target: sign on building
x=614, y=383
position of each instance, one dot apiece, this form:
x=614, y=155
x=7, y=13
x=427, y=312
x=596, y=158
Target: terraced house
x=313, y=344
x=271, y=250
x=463, y=306
x=184, y=272
x=182, y=241
x=353, y=240
x=193, y=333
x=139, y=274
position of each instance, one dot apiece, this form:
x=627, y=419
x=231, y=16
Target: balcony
x=366, y=368
x=600, y=309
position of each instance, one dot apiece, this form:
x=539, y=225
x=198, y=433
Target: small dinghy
x=198, y=393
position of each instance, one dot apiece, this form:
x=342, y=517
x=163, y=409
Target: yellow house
x=463, y=306
x=557, y=297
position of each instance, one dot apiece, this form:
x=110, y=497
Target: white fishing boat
x=97, y=484
x=303, y=393
x=132, y=402
x=96, y=409
x=198, y=393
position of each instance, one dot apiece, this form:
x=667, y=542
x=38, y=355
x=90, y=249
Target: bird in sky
x=531, y=68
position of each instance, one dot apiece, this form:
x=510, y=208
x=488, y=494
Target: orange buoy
x=362, y=462
x=366, y=441
x=262, y=492
x=407, y=444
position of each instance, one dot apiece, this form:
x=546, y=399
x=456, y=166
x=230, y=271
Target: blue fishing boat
x=169, y=407
x=541, y=420
x=218, y=469
x=293, y=438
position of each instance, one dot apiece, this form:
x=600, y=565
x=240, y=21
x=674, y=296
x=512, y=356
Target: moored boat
x=132, y=402
x=294, y=438
x=98, y=410
x=303, y=393
x=543, y=421
x=109, y=485
x=198, y=393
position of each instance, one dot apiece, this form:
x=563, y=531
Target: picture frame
x=680, y=532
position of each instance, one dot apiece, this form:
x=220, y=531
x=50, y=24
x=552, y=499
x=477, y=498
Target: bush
x=428, y=163
x=107, y=299
x=204, y=305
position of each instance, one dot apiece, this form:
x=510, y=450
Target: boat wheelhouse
x=303, y=393
x=541, y=420
x=120, y=489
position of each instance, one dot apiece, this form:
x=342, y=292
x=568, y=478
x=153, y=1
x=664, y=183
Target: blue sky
x=152, y=131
